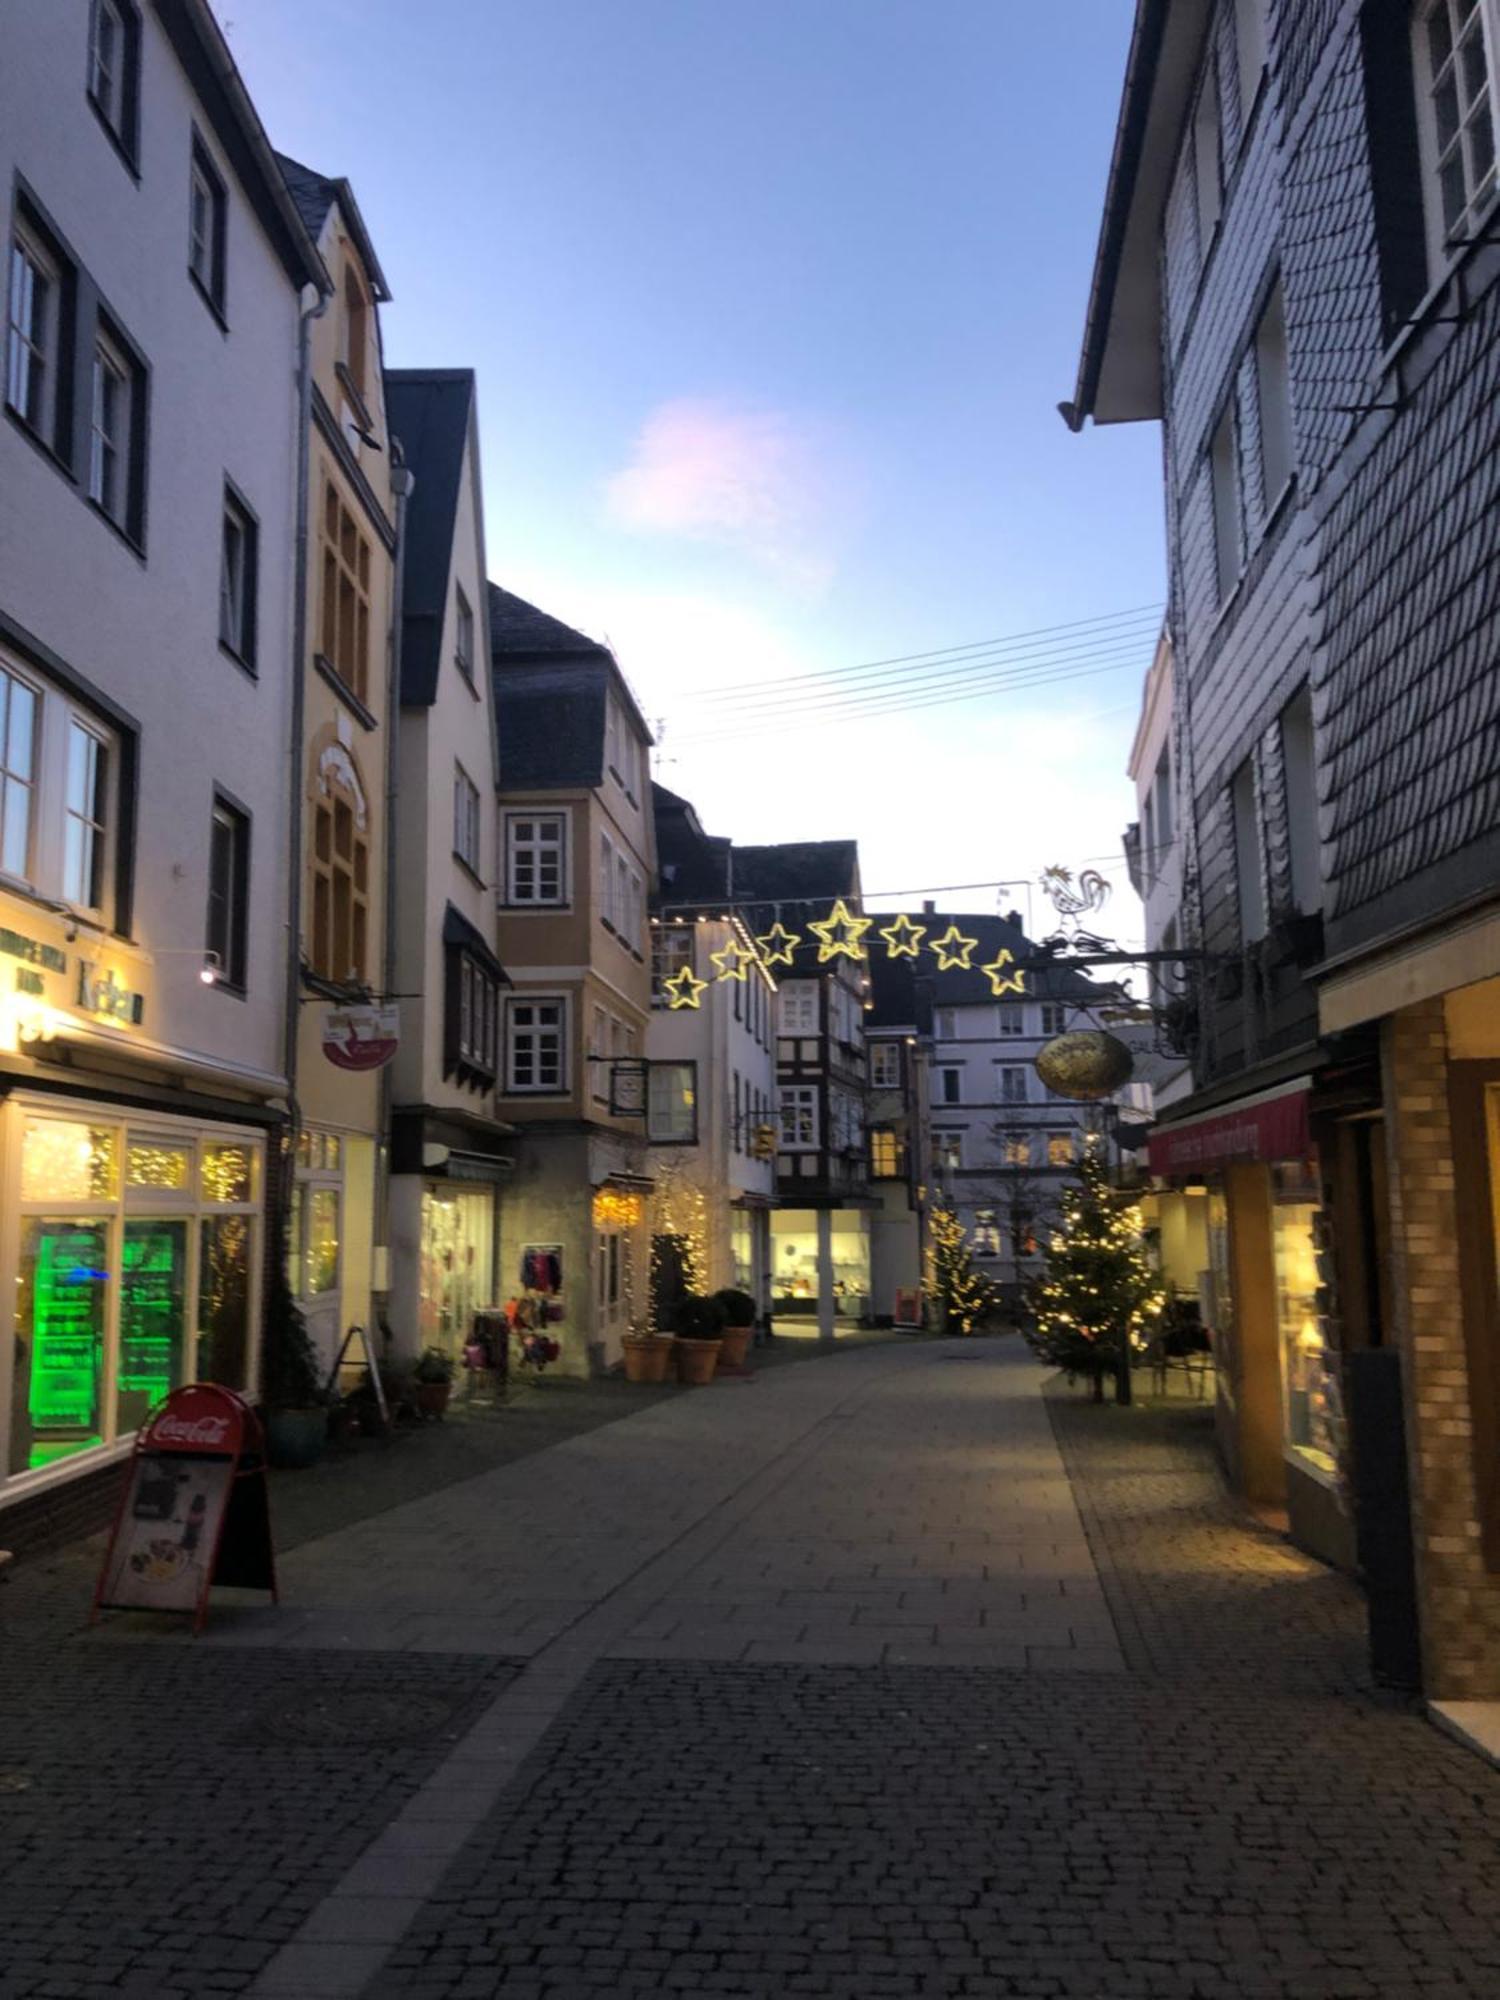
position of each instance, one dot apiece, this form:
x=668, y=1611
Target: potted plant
x=648, y=1356
x=295, y=1399
x=432, y=1381
x=700, y=1326
x=739, y=1327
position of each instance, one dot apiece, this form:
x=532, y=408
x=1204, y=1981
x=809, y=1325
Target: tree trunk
x=1097, y=1377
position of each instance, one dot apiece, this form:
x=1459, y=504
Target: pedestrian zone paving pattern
x=887, y=1674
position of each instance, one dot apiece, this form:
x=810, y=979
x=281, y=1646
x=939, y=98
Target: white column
x=825, y=1274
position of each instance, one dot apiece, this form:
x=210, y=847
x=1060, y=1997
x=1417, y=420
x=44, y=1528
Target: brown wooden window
x=340, y=887
x=346, y=595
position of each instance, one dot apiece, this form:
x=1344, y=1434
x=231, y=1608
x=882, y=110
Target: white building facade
x=156, y=270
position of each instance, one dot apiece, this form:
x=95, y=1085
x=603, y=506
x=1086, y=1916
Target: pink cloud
x=751, y=480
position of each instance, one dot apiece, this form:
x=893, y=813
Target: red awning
x=1275, y=1128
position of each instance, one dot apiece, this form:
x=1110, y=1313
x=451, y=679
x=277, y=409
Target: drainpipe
x=402, y=483
x=299, y=714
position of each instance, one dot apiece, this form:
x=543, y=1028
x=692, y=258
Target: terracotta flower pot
x=648, y=1356
x=431, y=1398
x=734, y=1347
x=295, y=1438
x=696, y=1360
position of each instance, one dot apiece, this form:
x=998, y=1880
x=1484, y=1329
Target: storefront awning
x=1271, y=1127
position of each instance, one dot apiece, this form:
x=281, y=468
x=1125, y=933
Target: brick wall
x=1460, y=1598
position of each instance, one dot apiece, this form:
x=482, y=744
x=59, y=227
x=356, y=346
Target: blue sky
x=771, y=303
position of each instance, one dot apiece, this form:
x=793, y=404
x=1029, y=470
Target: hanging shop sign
x=193, y=1510
x=1085, y=1064
x=627, y=1086
x=1274, y=1129
x=361, y=1038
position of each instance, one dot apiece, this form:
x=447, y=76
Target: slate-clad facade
x=1297, y=274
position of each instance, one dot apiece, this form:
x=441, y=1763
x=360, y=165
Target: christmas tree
x=963, y=1294
x=1098, y=1298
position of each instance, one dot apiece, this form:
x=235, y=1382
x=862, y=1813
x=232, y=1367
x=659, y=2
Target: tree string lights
x=964, y=1294
x=1098, y=1298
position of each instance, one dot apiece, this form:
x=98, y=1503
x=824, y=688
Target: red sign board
x=1275, y=1129
x=193, y=1509
x=361, y=1037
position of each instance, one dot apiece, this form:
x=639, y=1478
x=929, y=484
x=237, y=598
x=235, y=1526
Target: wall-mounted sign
x=361, y=1038
x=14, y=945
x=100, y=993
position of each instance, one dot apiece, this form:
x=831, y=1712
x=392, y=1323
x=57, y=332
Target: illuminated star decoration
x=847, y=946
x=903, y=938
x=1001, y=981
x=683, y=989
x=954, y=950
x=778, y=944
x=732, y=960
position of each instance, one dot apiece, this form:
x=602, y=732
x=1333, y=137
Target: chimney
x=929, y=908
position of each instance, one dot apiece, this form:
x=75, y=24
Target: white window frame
x=463, y=633
x=468, y=839
x=94, y=841
x=1012, y=1083
x=606, y=880
x=599, y=1055
x=1012, y=1019
x=798, y=1116
x=946, y=1024
x=671, y=1116
x=107, y=77
x=111, y=424
x=798, y=1013
x=546, y=849
x=948, y=1152
x=1446, y=232
x=1274, y=389
x=1228, y=513
x=1054, y=1017
x=14, y=778
x=549, y=1079
x=33, y=325
x=885, y=1065
x=1015, y=1150
x=203, y=201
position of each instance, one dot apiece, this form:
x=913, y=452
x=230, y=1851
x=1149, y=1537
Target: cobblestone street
x=889, y=1674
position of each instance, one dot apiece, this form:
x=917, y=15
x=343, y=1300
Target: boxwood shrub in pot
x=699, y=1323
x=739, y=1327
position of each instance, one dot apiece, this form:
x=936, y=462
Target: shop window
x=153, y=1317
x=229, y=1170
x=160, y=1166
x=535, y=851
x=316, y=1233
x=672, y=1116
x=457, y=1264
x=63, y=1160
x=225, y=1245
x=1308, y=1402
x=345, y=624
x=535, y=1046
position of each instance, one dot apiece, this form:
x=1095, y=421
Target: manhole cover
x=361, y=1716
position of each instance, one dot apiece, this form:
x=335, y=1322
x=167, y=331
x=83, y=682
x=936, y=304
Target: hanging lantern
x=1085, y=1064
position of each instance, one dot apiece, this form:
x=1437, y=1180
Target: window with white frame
x=885, y=1065
x=114, y=70
x=612, y=734
x=1054, y=1017
x=1248, y=876
x=606, y=879
x=1274, y=387
x=1224, y=478
x=1250, y=50
x=463, y=633
x=535, y=1045
x=33, y=339
x=799, y=1007
x=109, y=430
x=207, y=203
x=1013, y=1086
x=238, y=565
x=948, y=1151
x=466, y=831
x=18, y=746
x=1208, y=153
x=984, y=1237
x=473, y=1021
x=947, y=1024
x=671, y=951
x=228, y=896
x=535, y=850
x=672, y=1104
x=950, y=1086
x=599, y=1050
x=86, y=817
x=1012, y=1018
x=886, y=1162
x=1015, y=1149
x=799, y=1117
x=621, y=913
x=1454, y=62
x=637, y=920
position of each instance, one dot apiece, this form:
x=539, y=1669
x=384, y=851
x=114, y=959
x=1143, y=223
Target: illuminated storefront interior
x=794, y=1265
x=134, y=1249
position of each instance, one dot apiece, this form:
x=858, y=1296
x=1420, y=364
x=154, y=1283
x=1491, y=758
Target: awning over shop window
x=1267, y=1128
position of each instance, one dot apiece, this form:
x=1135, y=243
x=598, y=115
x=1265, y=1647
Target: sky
x=771, y=304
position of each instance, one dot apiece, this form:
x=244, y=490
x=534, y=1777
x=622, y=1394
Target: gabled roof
x=313, y=194
x=791, y=870
x=552, y=686
x=521, y=631
x=431, y=411
x=692, y=866
x=905, y=989
x=1119, y=369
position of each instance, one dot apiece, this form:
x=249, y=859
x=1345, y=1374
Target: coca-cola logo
x=190, y=1430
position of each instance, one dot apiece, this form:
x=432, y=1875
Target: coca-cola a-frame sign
x=193, y=1509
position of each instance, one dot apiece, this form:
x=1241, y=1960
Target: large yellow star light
x=732, y=960
x=684, y=989
x=954, y=950
x=778, y=944
x=840, y=918
x=1001, y=981
x=903, y=938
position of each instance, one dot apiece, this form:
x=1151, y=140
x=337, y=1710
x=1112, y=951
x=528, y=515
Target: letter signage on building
x=1274, y=1129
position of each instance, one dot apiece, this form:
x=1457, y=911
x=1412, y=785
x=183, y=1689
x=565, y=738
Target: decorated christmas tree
x=1098, y=1299
x=963, y=1294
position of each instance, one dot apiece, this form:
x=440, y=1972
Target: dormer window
x=1455, y=110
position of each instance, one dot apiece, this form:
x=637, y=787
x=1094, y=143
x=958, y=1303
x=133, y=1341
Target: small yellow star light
x=1001, y=981
x=903, y=938
x=684, y=989
x=954, y=950
x=847, y=946
x=778, y=944
x=732, y=960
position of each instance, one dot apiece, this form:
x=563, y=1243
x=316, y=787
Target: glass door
x=153, y=1317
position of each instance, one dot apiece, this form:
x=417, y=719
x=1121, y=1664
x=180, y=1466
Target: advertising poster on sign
x=168, y=1533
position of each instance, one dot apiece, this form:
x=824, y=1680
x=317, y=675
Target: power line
x=1003, y=642
x=770, y=696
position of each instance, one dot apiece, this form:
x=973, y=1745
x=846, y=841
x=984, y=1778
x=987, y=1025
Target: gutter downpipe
x=402, y=483
x=299, y=718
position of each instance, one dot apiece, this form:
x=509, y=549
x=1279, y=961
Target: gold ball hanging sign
x=1085, y=1064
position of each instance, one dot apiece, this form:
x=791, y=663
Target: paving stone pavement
x=887, y=1674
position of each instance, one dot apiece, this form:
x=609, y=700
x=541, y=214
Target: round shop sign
x=361, y=1037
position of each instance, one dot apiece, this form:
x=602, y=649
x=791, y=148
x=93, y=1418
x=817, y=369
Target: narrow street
x=885, y=1674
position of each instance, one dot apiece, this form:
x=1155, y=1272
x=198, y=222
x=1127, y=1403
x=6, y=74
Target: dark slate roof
x=519, y=629
x=431, y=410
x=897, y=983
x=793, y=870
x=692, y=865
x=313, y=194
x=550, y=688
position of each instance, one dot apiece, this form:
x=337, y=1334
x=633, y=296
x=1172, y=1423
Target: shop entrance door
x=457, y=1264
